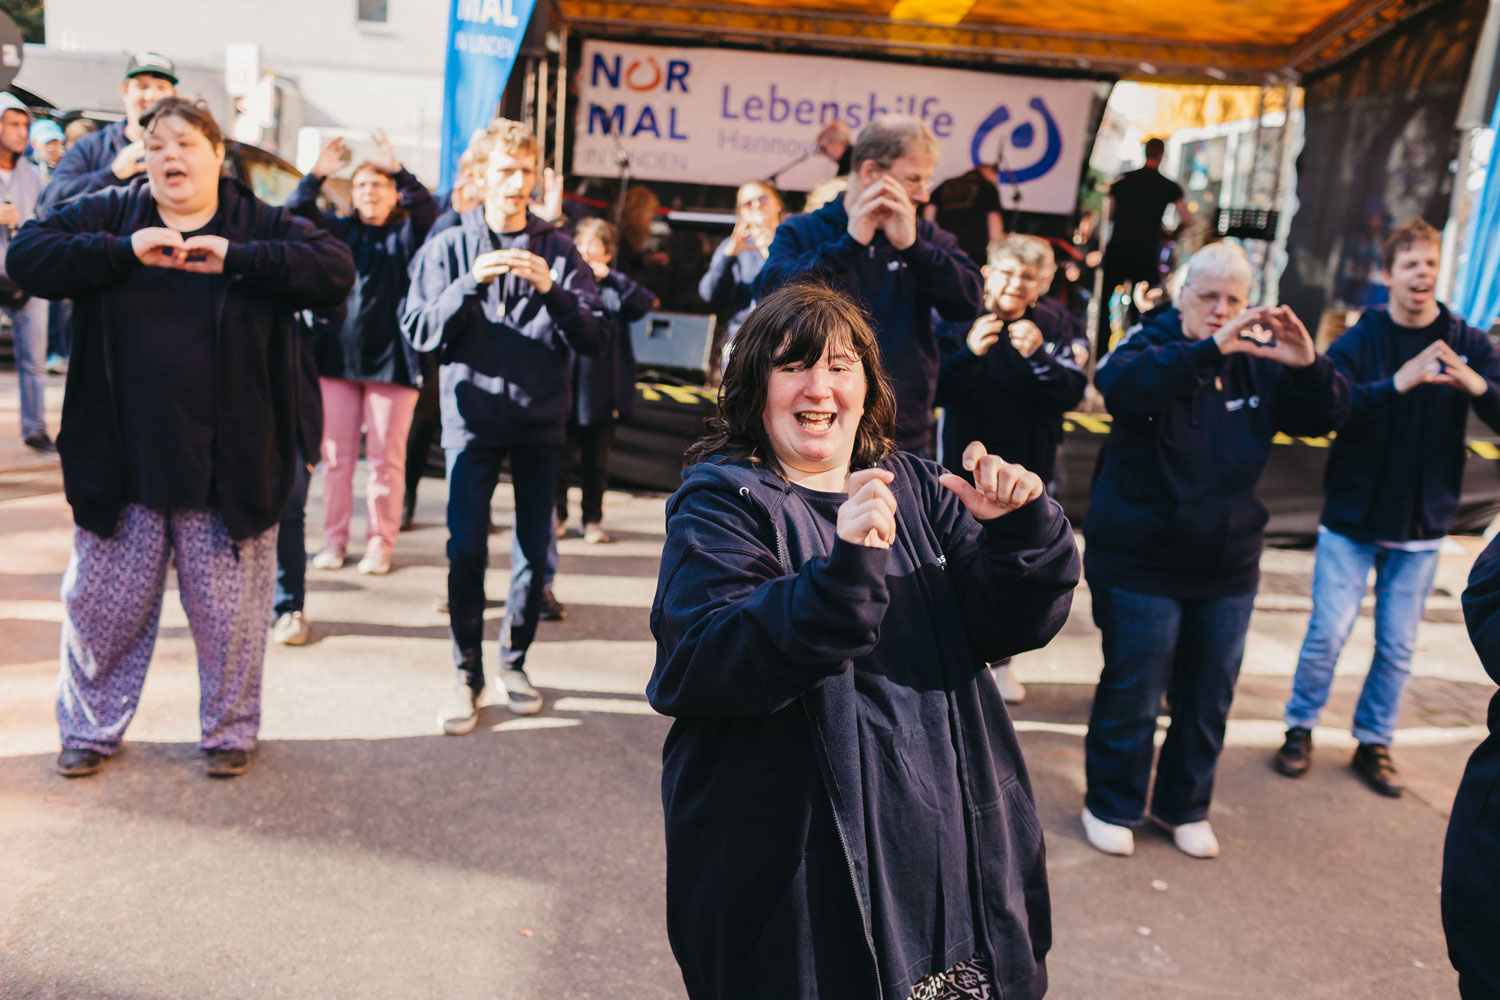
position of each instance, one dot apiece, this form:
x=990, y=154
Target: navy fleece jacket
x=1013, y=404
x=1396, y=468
x=1174, y=511
x=604, y=386
x=898, y=289
x=86, y=168
x=813, y=806
x=367, y=345
x=502, y=346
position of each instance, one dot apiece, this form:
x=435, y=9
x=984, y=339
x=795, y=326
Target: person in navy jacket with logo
x=503, y=298
x=871, y=245
x=1173, y=535
x=847, y=812
x=1390, y=494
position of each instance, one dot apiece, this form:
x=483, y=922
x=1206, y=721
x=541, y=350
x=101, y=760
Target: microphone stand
x=1015, y=187
x=622, y=160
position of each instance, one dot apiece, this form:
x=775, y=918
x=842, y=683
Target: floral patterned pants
x=112, y=597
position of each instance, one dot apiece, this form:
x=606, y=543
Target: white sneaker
x=594, y=534
x=329, y=559
x=1108, y=837
x=1011, y=688
x=459, y=712
x=376, y=562
x=291, y=629
x=521, y=698
x=1196, y=840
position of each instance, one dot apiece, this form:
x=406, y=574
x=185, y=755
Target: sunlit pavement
x=366, y=855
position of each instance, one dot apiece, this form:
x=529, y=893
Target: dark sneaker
x=225, y=763
x=521, y=697
x=553, y=610
x=408, y=512
x=79, y=763
x=40, y=442
x=459, y=713
x=1295, y=755
x=1372, y=761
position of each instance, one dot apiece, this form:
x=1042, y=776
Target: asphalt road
x=366, y=855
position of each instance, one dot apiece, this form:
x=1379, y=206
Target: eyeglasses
x=756, y=201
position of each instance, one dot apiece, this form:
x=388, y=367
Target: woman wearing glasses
x=729, y=285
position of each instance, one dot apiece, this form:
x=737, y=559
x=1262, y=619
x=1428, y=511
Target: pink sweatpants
x=384, y=411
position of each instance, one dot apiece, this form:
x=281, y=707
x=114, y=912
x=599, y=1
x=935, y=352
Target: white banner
x=713, y=116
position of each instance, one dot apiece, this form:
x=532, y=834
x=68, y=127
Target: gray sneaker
x=459, y=713
x=522, y=698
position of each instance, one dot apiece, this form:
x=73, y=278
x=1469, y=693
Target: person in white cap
x=20, y=185
x=116, y=153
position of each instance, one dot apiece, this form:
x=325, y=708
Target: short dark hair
x=796, y=324
x=194, y=113
x=1406, y=236
x=1155, y=149
x=599, y=229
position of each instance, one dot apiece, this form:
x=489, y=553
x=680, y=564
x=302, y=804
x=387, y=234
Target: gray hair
x=1218, y=260
x=885, y=140
x=1031, y=251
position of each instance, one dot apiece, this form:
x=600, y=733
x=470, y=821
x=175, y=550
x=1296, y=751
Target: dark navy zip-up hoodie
x=85, y=168
x=277, y=264
x=1396, y=468
x=1471, y=852
x=1013, y=404
x=803, y=838
x=898, y=289
x=367, y=345
x=604, y=386
x=1174, y=511
x=502, y=346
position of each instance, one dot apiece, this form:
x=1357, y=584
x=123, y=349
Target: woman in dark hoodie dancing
x=847, y=812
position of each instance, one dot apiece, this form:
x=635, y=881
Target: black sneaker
x=1372, y=761
x=1295, y=755
x=79, y=763
x=40, y=442
x=553, y=610
x=225, y=763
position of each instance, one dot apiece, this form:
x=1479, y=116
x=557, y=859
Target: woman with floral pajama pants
x=180, y=428
x=112, y=598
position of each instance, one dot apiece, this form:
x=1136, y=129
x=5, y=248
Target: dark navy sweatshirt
x=86, y=168
x=1396, y=468
x=898, y=289
x=842, y=785
x=604, y=386
x=503, y=347
x=367, y=345
x=1174, y=511
x=1014, y=405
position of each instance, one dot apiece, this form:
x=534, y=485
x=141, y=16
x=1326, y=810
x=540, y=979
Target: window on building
x=373, y=11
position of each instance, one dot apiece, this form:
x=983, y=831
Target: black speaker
x=676, y=342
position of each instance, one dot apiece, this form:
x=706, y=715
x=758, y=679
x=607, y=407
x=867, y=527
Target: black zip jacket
x=772, y=649
x=1014, y=405
x=1397, y=466
x=277, y=264
x=367, y=346
x=503, y=348
x=1174, y=511
x=604, y=386
x=1471, y=853
x=898, y=289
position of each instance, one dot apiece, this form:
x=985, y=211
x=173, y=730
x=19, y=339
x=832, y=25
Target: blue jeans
x=291, y=544
x=473, y=471
x=29, y=327
x=1190, y=650
x=1402, y=582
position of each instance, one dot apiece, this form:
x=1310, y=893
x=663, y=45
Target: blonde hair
x=1218, y=260
x=504, y=136
x=825, y=192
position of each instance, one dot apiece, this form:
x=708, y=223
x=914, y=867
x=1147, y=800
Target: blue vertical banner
x=484, y=37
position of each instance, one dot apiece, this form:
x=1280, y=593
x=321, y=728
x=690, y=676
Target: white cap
x=9, y=102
